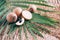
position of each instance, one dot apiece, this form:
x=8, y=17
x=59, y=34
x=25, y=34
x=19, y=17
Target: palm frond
x=12, y=28
x=20, y=30
x=34, y=29
x=42, y=20
x=41, y=28
x=2, y=27
x=7, y=6
x=31, y=32
x=25, y=31
x=6, y=29
x=26, y=3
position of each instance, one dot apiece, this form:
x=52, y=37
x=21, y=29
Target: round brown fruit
x=11, y=17
x=27, y=15
x=18, y=11
x=32, y=8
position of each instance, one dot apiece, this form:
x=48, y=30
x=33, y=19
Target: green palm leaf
x=7, y=6
x=25, y=31
x=32, y=33
x=27, y=2
x=20, y=30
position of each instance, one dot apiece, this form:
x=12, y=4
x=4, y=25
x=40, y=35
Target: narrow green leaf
x=41, y=0
x=45, y=10
x=25, y=6
x=31, y=27
x=4, y=16
x=19, y=5
x=40, y=19
x=26, y=2
x=7, y=29
x=42, y=28
x=2, y=2
x=20, y=32
x=2, y=7
x=25, y=29
x=2, y=27
x=3, y=11
x=12, y=28
x=35, y=30
x=30, y=31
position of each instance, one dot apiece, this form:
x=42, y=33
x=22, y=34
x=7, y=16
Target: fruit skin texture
x=18, y=11
x=20, y=21
x=11, y=17
x=27, y=15
x=32, y=8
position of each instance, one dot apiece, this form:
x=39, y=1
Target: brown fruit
x=18, y=11
x=32, y=8
x=27, y=15
x=11, y=17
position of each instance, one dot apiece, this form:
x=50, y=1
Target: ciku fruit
x=11, y=17
x=32, y=8
x=18, y=11
x=20, y=21
x=27, y=15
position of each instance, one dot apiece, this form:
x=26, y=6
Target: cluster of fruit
x=19, y=15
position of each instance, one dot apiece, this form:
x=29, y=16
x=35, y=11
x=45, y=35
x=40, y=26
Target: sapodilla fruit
x=27, y=15
x=11, y=17
x=20, y=21
x=32, y=8
x=18, y=11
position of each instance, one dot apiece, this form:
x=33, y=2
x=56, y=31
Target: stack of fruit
x=19, y=15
